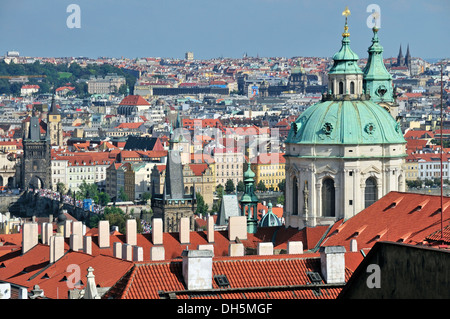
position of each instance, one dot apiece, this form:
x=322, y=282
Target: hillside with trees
x=54, y=76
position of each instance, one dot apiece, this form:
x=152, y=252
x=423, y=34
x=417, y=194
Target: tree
x=280, y=199
x=240, y=186
x=261, y=186
x=61, y=188
x=122, y=195
x=229, y=187
x=146, y=196
x=282, y=185
x=103, y=198
x=202, y=207
x=219, y=191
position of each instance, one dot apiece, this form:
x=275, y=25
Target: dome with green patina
x=269, y=219
x=345, y=122
x=342, y=118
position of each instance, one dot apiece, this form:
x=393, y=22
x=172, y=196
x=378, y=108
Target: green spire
x=249, y=201
x=377, y=80
x=345, y=60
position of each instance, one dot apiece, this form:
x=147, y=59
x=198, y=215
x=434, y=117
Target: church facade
x=345, y=152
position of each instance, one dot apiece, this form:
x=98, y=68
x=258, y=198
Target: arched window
x=352, y=87
x=328, y=198
x=370, y=193
x=341, y=87
x=294, y=196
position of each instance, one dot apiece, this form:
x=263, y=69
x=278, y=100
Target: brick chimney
x=332, y=260
x=103, y=234
x=131, y=231
x=197, y=269
x=157, y=231
x=29, y=236
x=237, y=227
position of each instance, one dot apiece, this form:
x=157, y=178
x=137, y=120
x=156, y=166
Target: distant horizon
x=214, y=29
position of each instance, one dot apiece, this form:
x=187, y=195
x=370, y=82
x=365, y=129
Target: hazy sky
x=212, y=28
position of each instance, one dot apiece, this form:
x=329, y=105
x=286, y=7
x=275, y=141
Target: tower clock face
x=381, y=91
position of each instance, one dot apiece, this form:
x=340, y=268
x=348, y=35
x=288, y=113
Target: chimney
x=87, y=245
x=353, y=245
x=265, y=249
x=46, y=232
x=236, y=249
x=332, y=260
x=127, y=252
x=103, y=234
x=157, y=253
x=75, y=242
x=184, y=230
x=138, y=253
x=157, y=231
x=117, y=250
x=237, y=227
x=56, y=248
x=67, y=228
x=77, y=229
x=210, y=229
x=197, y=269
x=131, y=231
x=295, y=247
x=29, y=236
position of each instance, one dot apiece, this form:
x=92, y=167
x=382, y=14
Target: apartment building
x=107, y=85
x=269, y=169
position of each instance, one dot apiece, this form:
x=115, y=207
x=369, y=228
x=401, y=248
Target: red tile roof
x=134, y=100
x=282, y=276
x=130, y=125
x=399, y=217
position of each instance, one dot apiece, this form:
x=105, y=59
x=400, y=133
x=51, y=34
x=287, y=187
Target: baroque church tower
x=377, y=80
x=343, y=153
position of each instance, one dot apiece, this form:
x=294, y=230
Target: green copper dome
x=269, y=219
x=345, y=122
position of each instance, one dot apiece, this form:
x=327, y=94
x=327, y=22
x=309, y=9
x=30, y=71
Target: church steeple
x=377, y=80
x=345, y=76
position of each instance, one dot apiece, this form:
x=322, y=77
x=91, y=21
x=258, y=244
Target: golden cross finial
x=346, y=13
